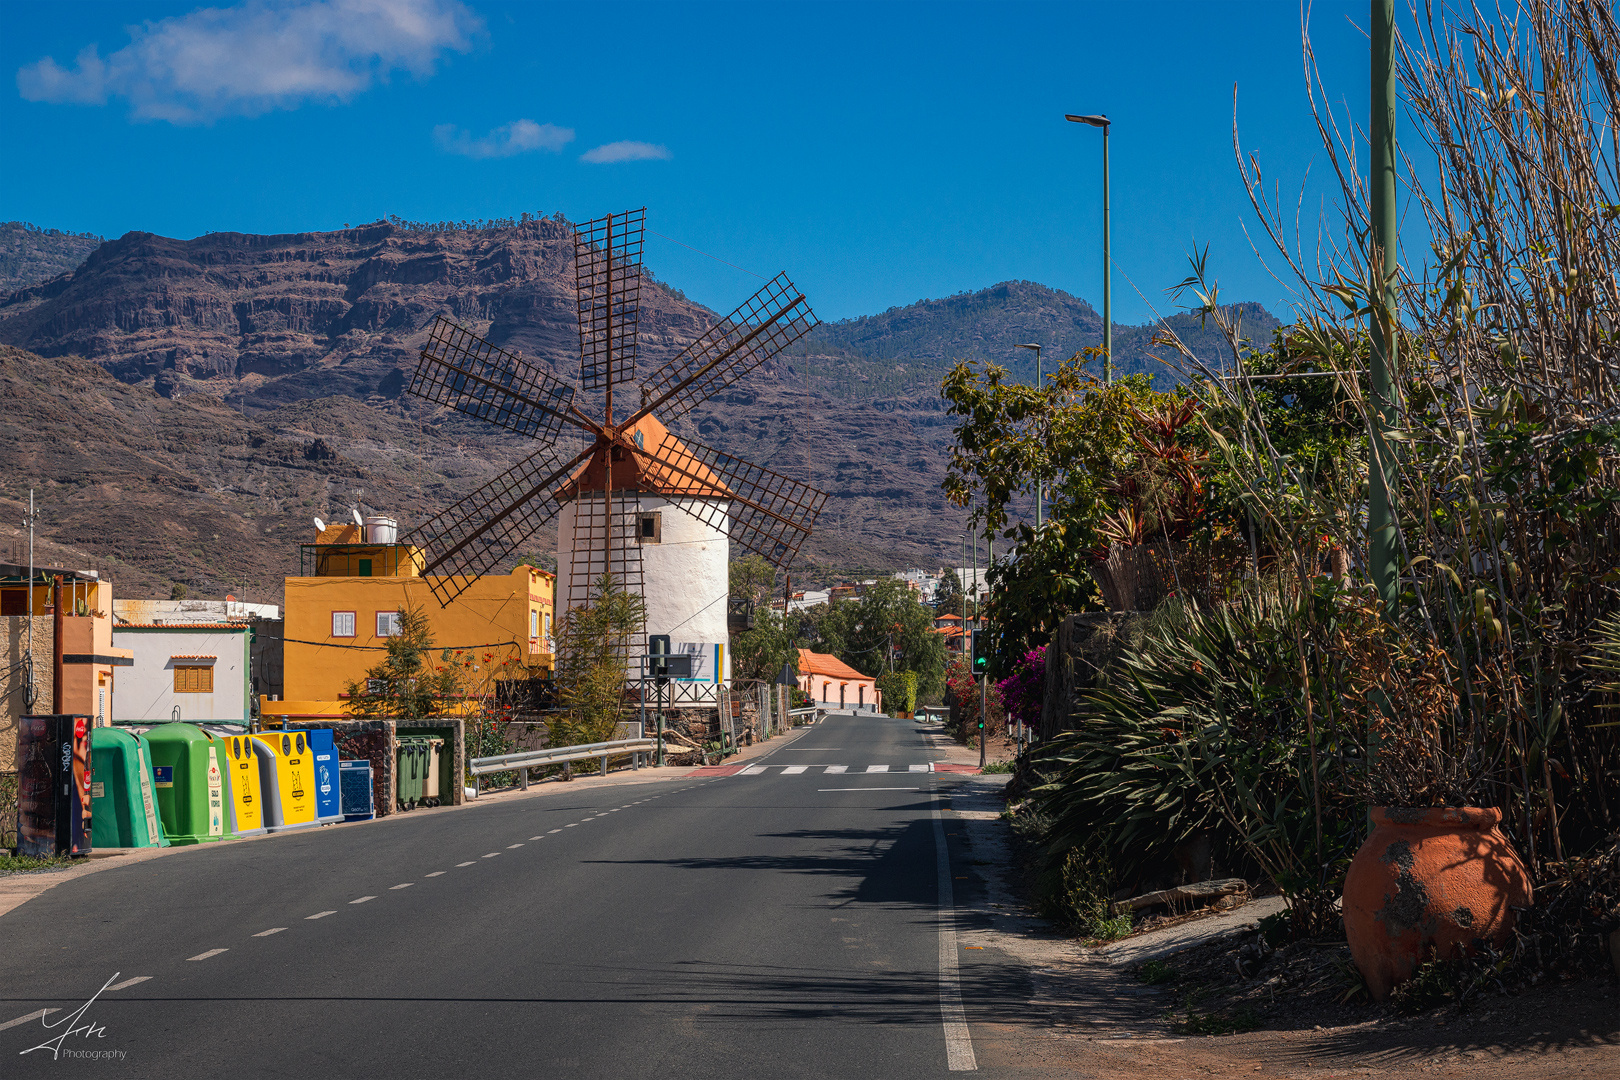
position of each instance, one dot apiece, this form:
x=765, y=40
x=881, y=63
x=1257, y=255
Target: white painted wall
x=687, y=575
x=146, y=690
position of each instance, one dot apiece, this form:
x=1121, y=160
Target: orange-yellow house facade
x=338, y=620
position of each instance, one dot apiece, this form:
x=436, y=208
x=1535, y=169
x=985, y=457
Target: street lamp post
x=1107, y=312
x=1040, y=486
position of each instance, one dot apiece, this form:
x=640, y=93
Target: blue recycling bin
x=328, y=797
x=354, y=783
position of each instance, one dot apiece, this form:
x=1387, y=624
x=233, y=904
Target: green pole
x=1381, y=259
x=1108, y=268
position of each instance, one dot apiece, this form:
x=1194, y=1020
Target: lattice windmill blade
x=769, y=514
x=607, y=274
x=771, y=320
x=459, y=369
x=477, y=534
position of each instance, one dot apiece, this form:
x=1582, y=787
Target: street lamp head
x=1037, y=348
x=1095, y=121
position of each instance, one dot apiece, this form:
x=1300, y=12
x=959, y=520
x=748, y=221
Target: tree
x=178, y=592
x=752, y=578
x=948, y=597
x=887, y=629
x=406, y=684
x=593, y=643
x=760, y=653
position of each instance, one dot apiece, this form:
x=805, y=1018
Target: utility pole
x=1381, y=262
x=1381, y=537
x=984, y=680
x=1040, y=486
x=30, y=695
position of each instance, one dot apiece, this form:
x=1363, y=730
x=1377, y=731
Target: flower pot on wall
x=1429, y=882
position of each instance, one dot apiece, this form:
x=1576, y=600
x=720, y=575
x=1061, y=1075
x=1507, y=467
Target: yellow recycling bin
x=246, y=798
x=287, y=778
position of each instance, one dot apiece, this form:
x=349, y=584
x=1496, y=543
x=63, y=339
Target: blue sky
x=879, y=153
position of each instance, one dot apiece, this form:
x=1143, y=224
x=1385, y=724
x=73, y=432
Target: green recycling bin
x=412, y=771
x=188, y=777
x=123, y=804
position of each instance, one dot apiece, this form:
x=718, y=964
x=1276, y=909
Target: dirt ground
x=1089, y=1016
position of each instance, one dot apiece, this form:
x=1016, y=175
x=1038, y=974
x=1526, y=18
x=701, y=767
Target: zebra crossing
x=831, y=770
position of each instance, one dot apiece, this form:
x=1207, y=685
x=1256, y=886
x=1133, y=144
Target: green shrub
x=1201, y=731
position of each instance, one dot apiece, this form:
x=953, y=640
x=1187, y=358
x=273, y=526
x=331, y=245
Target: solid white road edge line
x=958, y=1042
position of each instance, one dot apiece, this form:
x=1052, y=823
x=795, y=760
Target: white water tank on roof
x=382, y=530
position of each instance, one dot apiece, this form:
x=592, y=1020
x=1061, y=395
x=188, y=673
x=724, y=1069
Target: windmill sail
x=607, y=274
x=459, y=369
x=476, y=535
x=771, y=320
x=769, y=514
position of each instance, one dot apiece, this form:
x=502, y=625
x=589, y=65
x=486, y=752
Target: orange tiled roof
x=815, y=663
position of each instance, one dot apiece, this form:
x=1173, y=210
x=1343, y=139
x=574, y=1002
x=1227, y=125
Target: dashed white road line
x=491, y=855
x=320, y=915
x=459, y=865
x=542, y=836
x=127, y=983
x=362, y=900
x=37, y=1014
x=550, y=831
x=571, y=824
x=272, y=930
x=206, y=955
x=509, y=847
x=436, y=873
x=401, y=885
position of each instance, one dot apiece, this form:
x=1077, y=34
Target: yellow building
x=340, y=612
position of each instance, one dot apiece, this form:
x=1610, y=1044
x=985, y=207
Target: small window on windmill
x=650, y=527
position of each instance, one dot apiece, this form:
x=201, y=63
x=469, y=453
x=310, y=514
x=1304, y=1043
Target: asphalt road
x=768, y=924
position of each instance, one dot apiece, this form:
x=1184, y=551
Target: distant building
x=191, y=671
x=832, y=683
x=950, y=628
x=166, y=612
x=346, y=602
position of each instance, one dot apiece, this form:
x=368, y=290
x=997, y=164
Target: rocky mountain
x=30, y=255
x=931, y=335
x=189, y=405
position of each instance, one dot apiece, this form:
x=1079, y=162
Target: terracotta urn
x=1429, y=882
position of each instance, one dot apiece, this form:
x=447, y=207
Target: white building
x=680, y=535
x=199, y=669
x=166, y=612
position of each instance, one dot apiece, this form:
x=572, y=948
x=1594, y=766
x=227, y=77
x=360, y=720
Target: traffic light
x=981, y=646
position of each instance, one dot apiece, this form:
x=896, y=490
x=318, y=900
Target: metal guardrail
x=524, y=760
x=810, y=711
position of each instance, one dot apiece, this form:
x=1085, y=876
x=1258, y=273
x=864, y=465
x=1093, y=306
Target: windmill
x=629, y=460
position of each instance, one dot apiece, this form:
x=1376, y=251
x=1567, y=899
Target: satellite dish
x=356, y=515
x=320, y=525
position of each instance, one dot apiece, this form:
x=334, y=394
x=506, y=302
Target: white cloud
x=257, y=57
x=518, y=137
x=615, y=152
